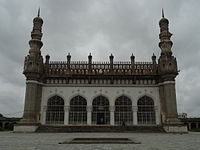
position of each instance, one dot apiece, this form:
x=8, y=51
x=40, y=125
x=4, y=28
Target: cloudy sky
x=102, y=27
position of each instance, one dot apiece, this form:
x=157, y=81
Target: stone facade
x=111, y=93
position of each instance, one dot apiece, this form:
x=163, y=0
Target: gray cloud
x=100, y=27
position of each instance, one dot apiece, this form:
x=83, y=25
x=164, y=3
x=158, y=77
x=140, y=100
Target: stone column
x=135, y=109
x=156, y=115
x=89, y=115
x=44, y=112
x=3, y=125
x=29, y=116
x=189, y=126
x=112, y=115
x=66, y=116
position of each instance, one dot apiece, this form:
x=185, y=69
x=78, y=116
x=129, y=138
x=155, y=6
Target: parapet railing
x=103, y=68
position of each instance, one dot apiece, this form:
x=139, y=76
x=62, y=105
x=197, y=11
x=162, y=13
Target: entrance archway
x=100, y=111
x=146, y=111
x=55, y=110
x=123, y=111
x=193, y=125
x=78, y=110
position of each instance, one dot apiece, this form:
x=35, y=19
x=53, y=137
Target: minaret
x=167, y=69
x=33, y=70
x=111, y=62
x=68, y=61
x=165, y=42
x=34, y=62
x=90, y=63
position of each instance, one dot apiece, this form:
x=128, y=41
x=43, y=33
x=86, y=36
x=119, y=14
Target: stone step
x=99, y=128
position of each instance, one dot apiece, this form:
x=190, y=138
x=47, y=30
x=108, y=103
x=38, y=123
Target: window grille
x=123, y=111
x=100, y=111
x=55, y=110
x=78, y=110
x=146, y=111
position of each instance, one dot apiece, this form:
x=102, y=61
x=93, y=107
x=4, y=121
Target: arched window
x=55, y=110
x=100, y=110
x=146, y=111
x=193, y=125
x=123, y=111
x=78, y=110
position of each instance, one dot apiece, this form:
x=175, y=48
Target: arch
x=100, y=110
x=100, y=95
x=55, y=110
x=146, y=110
x=8, y=126
x=52, y=95
x=126, y=95
x=78, y=110
x=193, y=125
x=147, y=95
x=153, y=97
x=123, y=111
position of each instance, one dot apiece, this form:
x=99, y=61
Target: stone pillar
x=3, y=125
x=66, y=115
x=30, y=113
x=135, y=109
x=189, y=126
x=44, y=112
x=168, y=102
x=112, y=115
x=156, y=115
x=197, y=125
x=89, y=115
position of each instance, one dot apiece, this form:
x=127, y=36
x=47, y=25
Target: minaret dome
x=38, y=19
x=163, y=20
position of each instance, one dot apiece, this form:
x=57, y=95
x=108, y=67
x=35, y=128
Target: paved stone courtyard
x=49, y=141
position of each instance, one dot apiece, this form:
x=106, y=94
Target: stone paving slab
x=98, y=140
x=50, y=141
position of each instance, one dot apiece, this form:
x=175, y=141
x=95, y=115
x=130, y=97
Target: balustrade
x=100, y=68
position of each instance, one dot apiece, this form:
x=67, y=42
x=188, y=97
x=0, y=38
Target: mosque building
x=92, y=93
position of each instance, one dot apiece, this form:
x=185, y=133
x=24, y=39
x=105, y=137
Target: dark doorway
x=100, y=111
x=193, y=125
x=55, y=110
x=78, y=110
x=100, y=118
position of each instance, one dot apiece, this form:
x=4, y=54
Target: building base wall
x=175, y=128
x=25, y=128
x=99, y=128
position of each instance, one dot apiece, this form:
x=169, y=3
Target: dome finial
x=38, y=12
x=163, y=13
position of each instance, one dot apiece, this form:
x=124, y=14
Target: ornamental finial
x=163, y=13
x=38, y=12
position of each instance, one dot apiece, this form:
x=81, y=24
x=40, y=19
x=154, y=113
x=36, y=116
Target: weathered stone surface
x=100, y=141
x=96, y=128
x=25, y=128
x=175, y=128
x=49, y=141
